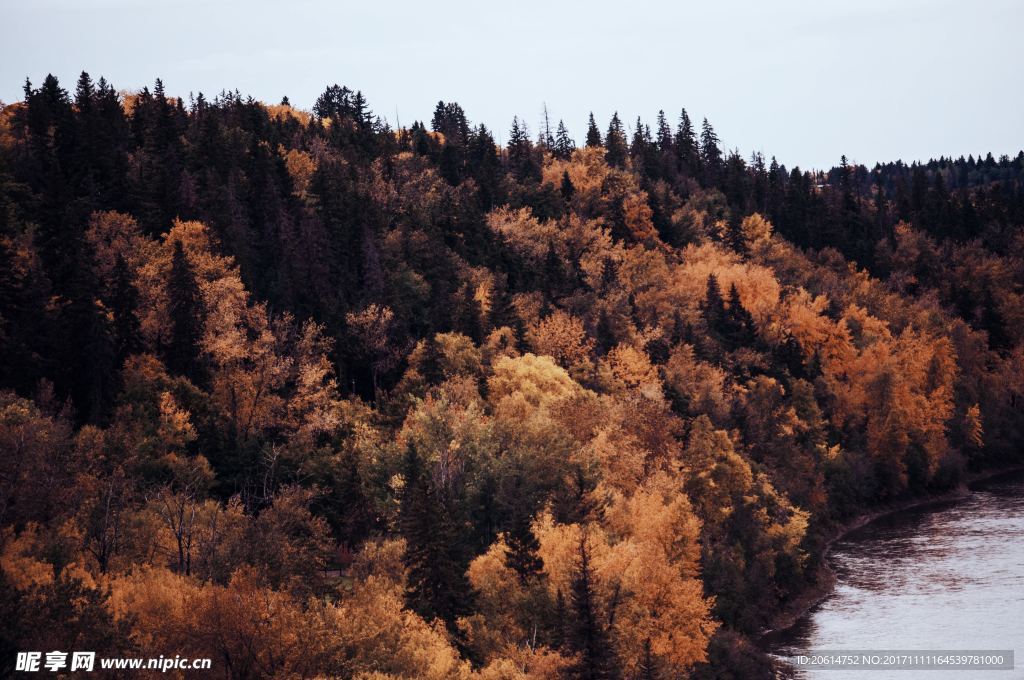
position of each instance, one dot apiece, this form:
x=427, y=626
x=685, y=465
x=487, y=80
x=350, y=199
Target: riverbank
x=825, y=578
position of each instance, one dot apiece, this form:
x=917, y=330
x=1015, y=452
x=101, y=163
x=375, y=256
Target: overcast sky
x=805, y=81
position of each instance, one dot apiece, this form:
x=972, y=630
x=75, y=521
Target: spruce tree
x=641, y=150
x=431, y=368
x=713, y=307
x=564, y=145
x=437, y=585
x=738, y=324
x=604, y=333
x=90, y=354
x=465, y=312
x=567, y=189
x=593, y=134
x=616, y=150
x=665, y=141
x=186, y=316
x=648, y=669
x=124, y=301
x=681, y=330
x=554, y=272
x=347, y=508
x=687, y=156
x=609, y=275
x=520, y=152
x=522, y=547
x=711, y=154
x=559, y=635
x=588, y=636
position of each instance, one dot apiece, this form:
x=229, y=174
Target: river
x=943, y=576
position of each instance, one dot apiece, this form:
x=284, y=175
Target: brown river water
x=947, y=576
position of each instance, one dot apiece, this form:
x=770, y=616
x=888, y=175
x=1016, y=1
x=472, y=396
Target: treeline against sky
x=312, y=396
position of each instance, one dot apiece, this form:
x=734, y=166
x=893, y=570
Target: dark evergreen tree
x=713, y=308
x=567, y=188
x=465, y=312
x=737, y=325
x=589, y=636
x=484, y=166
x=574, y=502
x=26, y=323
x=522, y=547
x=687, y=153
x=593, y=133
x=186, y=316
x=432, y=367
x=521, y=158
x=123, y=304
x=559, y=635
x=564, y=144
x=89, y=350
x=554, y=272
x=666, y=143
x=648, y=669
x=710, y=154
x=344, y=503
x=616, y=150
x=437, y=585
x=604, y=333
x=776, y=191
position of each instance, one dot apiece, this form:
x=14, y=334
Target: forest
x=313, y=396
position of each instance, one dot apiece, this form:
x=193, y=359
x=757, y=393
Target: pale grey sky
x=806, y=81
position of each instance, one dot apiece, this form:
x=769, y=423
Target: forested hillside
x=312, y=396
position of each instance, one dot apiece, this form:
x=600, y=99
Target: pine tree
x=710, y=154
x=776, y=191
x=431, y=367
x=681, y=330
x=186, y=316
x=437, y=585
x=522, y=547
x=567, y=188
x=466, y=314
x=604, y=333
x=687, y=156
x=588, y=636
x=575, y=501
x=85, y=94
x=738, y=324
x=564, y=145
x=484, y=166
x=559, y=635
x=640, y=149
x=713, y=307
x=648, y=669
x=665, y=142
x=347, y=508
x=554, y=272
x=593, y=134
x=520, y=152
x=609, y=275
x=616, y=150
x=124, y=301
x=90, y=353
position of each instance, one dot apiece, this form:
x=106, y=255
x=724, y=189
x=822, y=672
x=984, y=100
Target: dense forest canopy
x=309, y=395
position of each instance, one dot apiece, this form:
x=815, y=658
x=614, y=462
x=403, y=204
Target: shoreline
x=825, y=579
